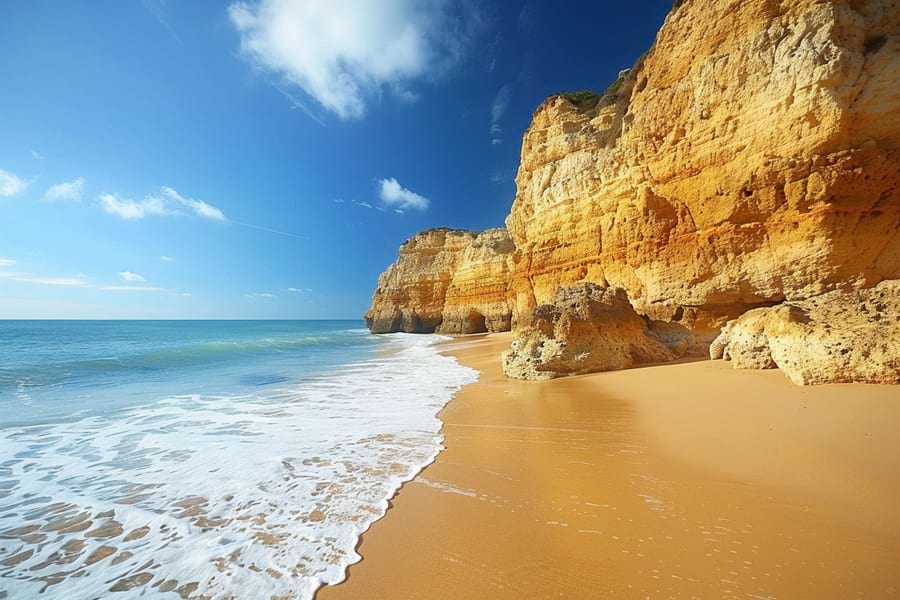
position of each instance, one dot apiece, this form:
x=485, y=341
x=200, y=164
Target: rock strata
x=447, y=280
x=748, y=163
x=752, y=155
x=838, y=337
x=586, y=329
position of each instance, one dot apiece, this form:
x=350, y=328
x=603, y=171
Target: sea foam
x=220, y=496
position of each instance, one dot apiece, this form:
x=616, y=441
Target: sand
x=689, y=480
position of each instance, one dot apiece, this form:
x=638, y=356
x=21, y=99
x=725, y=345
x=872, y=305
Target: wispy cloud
x=363, y=204
x=128, y=288
x=10, y=185
x=160, y=11
x=68, y=190
x=183, y=294
x=498, y=109
x=527, y=19
x=37, y=155
x=497, y=178
x=77, y=281
x=297, y=290
x=260, y=295
x=169, y=202
x=7, y=262
x=198, y=207
x=132, y=210
x=270, y=230
x=343, y=52
x=165, y=258
x=338, y=201
x=129, y=276
x=396, y=196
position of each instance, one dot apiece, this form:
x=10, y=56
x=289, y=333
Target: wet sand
x=688, y=480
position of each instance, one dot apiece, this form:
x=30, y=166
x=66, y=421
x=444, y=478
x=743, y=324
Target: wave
x=249, y=495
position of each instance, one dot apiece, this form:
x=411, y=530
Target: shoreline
x=620, y=484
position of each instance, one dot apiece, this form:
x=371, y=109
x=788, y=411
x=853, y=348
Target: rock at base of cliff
x=587, y=329
x=838, y=337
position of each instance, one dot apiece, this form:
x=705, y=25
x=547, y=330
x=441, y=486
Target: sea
x=205, y=459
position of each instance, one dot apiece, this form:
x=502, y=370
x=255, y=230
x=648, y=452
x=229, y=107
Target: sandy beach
x=689, y=480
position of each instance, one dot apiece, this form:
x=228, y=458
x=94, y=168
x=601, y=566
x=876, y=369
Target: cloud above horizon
x=342, y=53
x=66, y=191
x=396, y=196
x=167, y=203
x=10, y=184
x=78, y=281
x=498, y=109
x=129, y=276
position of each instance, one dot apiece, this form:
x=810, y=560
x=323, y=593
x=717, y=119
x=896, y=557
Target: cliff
x=447, y=280
x=750, y=159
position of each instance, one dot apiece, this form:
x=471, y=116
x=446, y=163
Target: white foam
x=245, y=496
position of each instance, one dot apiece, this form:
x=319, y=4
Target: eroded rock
x=585, y=330
x=838, y=337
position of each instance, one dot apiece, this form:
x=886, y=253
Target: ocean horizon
x=210, y=457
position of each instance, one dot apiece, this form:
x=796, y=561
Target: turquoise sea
x=220, y=459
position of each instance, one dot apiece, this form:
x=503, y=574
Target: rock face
x=839, y=337
x=450, y=280
x=587, y=329
x=749, y=161
x=478, y=297
x=752, y=155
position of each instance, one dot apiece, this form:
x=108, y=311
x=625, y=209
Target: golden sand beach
x=688, y=480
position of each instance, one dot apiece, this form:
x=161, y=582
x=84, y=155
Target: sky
x=266, y=158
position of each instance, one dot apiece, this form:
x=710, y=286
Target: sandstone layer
x=447, y=280
x=585, y=330
x=751, y=156
x=750, y=159
x=839, y=337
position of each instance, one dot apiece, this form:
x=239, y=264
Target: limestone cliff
x=838, y=337
x=751, y=156
x=447, y=280
x=750, y=159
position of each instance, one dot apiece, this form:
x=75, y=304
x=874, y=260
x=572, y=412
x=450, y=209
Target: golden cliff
x=446, y=280
x=751, y=158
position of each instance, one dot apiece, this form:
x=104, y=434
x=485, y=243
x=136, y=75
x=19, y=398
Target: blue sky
x=265, y=159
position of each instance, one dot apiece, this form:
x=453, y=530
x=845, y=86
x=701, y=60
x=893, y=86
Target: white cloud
x=7, y=262
x=129, y=276
x=292, y=289
x=168, y=203
x=395, y=195
x=498, y=178
x=10, y=185
x=128, y=288
x=68, y=190
x=498, y=109
x=260, y=295
x=338, y=201
x=131, y=210
x=343, y=52
x=363, y=204
x=80, y=281
x=183, y=294
x=37, y=155
x=165, y=258
x=500, y=103
x=199, y=207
